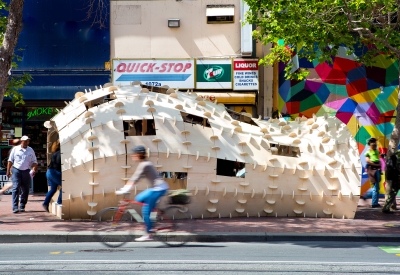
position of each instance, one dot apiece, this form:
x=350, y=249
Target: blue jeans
x=375, y=193
x=21, y=181
x=149, y=197
x=54, y=180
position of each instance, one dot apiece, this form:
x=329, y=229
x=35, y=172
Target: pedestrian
x=22, y=164
x=392, y=182
x=53, y=175
x=373, y=170
x=149, y=196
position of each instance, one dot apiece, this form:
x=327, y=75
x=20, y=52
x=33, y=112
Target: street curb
x=206, y=237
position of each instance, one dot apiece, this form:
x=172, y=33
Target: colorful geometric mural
x=364, y=98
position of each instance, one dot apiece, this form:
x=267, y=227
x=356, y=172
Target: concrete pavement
x=36, y=225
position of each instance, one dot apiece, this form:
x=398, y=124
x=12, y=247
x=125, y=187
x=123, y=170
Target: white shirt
x=22, y=158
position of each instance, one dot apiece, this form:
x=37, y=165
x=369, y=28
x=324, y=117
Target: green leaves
x=15, y=82
x=315, y=29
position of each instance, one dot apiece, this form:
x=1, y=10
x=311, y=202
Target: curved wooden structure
x=308, y=167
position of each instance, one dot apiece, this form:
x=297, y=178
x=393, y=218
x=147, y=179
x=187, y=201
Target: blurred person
x=392, y=182
x=150, y=196
x=53, y=176
x=373, y=170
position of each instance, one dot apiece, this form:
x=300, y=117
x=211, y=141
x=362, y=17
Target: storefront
x=233, y=82
x=27, y=120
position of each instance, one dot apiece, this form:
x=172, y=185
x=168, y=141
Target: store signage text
x=155, y=72
x=42, y=111
x=151, y=67
x=245, y=75
x=209, y=97
x=214, y=73
x=4, y=180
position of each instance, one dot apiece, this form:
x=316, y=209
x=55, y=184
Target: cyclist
x=150, y=196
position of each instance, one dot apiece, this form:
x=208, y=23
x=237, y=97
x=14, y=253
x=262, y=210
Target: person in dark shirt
x=53, y=175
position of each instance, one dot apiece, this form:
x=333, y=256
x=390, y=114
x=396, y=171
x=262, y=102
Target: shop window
x=175, y=180
x=242, y=118
x=140, y=127
x=230, y=168
x=193, y=119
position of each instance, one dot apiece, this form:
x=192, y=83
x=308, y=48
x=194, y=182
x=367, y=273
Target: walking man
x=22, y=164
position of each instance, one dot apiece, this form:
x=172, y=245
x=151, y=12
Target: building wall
x=364, y=98
x=62, y=51
x=139, y=29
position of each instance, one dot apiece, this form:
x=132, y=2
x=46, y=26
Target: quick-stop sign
x=245, y=74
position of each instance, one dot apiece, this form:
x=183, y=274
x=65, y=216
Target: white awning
x=220, y=11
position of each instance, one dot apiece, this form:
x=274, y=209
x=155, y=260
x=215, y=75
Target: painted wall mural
x=364, y=98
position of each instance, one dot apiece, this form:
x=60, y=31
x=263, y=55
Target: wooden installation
x=233, y=167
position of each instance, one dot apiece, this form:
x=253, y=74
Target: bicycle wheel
x=113, y=230
x=171, y=224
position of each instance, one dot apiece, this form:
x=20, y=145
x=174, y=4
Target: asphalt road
x=201, y=258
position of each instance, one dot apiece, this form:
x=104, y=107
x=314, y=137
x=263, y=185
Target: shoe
x=144, y=238
x=376, y=205
x=387, y=212
x=22, y=210
x=15, y=211
x=45, y=207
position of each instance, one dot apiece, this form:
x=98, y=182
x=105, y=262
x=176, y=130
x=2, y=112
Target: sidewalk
x=370, y=224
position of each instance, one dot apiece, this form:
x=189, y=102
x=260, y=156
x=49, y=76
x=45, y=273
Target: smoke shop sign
x=41, y=112
x=245, y=74
x=214, y=74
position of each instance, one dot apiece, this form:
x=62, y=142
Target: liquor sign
x=214, y=74
x=176, y=73
x=245, y=74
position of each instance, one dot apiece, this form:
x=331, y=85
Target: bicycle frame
x=124, y=206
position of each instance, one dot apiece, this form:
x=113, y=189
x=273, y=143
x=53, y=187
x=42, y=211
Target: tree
x=315, y=29
x=10, y=29
x=97, y=12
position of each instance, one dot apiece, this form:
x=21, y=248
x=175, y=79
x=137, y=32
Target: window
x=285, y=150
x=193, y=119
x=140, y=127
x=230, y=168
x=220, y=14
x=175, y=180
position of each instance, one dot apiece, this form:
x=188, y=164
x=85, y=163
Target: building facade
x=64, y=54
x=206, y=36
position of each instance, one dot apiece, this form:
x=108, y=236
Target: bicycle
x=117, y=223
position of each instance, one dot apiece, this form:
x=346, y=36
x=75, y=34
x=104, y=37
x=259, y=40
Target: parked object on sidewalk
x=21, y=161
x=307, y=167
x=53, y=175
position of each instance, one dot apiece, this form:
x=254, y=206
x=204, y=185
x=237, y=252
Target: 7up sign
x=214, y=74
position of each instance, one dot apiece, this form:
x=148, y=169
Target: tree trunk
x=14, y=27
